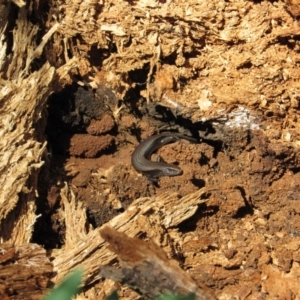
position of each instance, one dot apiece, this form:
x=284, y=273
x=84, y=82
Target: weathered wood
x=152, y=216
x=24, y=271
x=23, y=96
x=145, y=267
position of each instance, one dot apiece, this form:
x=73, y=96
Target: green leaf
x=191, y=296
x=113, y=296
x=68, y=288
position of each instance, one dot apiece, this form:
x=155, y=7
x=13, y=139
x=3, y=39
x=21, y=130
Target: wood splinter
x=145, y=267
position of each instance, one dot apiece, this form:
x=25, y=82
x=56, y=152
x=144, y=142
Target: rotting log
x=23, y=98
x=25, y=271
x=151, y=216
x=145, y=267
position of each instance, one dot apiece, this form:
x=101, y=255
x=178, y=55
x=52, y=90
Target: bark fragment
x=146, y=268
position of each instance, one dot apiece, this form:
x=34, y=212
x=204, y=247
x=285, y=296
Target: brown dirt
x=242, y=241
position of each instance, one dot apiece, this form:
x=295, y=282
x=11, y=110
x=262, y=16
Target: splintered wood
x=25, y=271
x=21, y=153
x=146, y=267
x=145, y=216
x=23, y=97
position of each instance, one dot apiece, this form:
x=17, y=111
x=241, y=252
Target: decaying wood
x=226, y=60
x=226, y=52
x=196, y=34
x=24, y=271
x=23, y=98
x=22, y=101
x=150, y=216
x=146, y=268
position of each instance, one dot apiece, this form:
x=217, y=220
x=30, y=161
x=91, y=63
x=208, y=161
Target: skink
x=141, y=156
